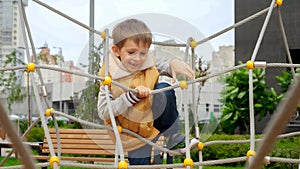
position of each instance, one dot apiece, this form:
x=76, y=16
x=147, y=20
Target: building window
x=217, y=108
x=207, y=107
x=188, y=105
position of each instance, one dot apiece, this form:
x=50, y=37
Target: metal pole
x=91, y=35
x=28, y=99
x=60, y=81
x=91, y=44
x=60, y=77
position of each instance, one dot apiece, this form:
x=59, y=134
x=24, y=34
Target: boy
x=142, y=113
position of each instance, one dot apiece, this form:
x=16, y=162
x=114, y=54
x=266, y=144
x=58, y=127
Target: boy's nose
x=138, y=56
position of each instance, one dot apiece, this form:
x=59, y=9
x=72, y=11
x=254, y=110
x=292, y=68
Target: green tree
x=88, y=97
x=284, y=82
x=235, y=98
x=286, y=79
x=201, y=69
x=10, y=83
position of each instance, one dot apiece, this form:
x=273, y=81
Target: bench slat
x=83, y=136
x=88, y=159
x=87, y=141
x=84, y=142
x=79, y=131
x=82, y=146
x=81, y=151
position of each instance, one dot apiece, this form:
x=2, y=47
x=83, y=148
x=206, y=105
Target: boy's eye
x=143, y=54
x=131, y=53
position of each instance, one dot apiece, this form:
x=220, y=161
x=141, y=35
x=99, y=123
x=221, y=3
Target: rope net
x=278, y=122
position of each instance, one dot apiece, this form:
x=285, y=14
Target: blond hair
x=132, y=29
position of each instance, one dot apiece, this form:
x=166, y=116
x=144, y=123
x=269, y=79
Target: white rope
x=251, y=102
x=269, y=136
x=276, y=125
x=263, y=29
x=285, y=42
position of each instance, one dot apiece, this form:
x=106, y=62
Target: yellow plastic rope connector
x=119, y=129
x=48, y=112
x=30, y=67
x=250, y=153
x=54, y=159
x=188, y=161
x=200, y=146
x=278, y=2
x=103, y=35
x=107, y=80
x=183, y=84
x=193, y=43
x=122, y=165
x=250, y=64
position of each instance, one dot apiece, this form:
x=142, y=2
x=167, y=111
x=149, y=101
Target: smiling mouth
x=134, y=65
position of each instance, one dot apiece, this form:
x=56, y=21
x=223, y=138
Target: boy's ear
x=115, y=50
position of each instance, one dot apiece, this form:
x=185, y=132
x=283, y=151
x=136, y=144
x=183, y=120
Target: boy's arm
x=119, y=105
x=173, y=66
x=163, y=66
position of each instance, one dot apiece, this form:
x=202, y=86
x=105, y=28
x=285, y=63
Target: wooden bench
x=88, y=143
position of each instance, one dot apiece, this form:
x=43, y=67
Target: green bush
x=223, y=151
x=36, y=135
x=60, y=123
x=284, y=148
x=74, y=125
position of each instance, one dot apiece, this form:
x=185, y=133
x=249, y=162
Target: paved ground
x=5, y=151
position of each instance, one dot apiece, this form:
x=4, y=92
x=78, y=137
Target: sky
x=208, y=17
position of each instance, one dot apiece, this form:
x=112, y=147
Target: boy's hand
x=179, y=67
x=143, y=91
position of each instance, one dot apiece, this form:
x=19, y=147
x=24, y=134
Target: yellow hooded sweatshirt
x=139, y=117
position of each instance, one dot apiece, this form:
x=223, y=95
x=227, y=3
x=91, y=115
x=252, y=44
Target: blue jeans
x=166, y=120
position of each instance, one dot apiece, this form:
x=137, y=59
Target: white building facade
x=11, y=37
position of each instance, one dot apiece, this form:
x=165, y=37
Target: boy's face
x=132, y=55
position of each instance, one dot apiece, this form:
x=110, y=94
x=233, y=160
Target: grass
x=11, y=161
x=14, y=161
x=221, y=167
